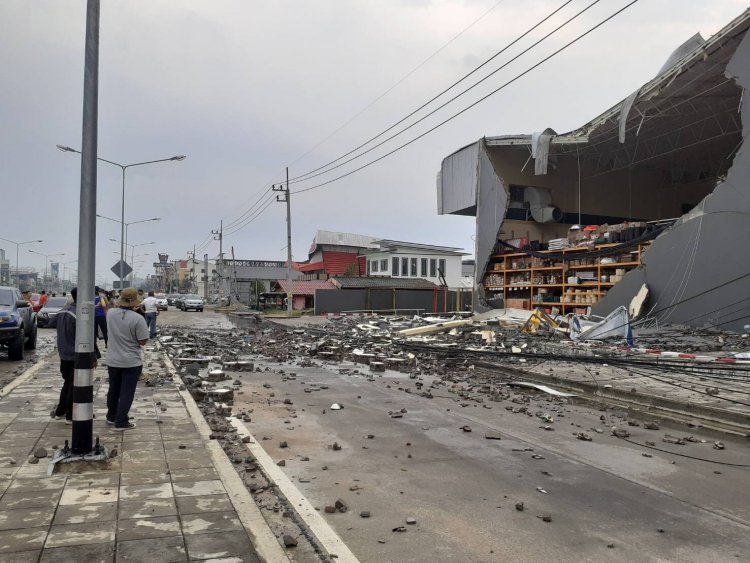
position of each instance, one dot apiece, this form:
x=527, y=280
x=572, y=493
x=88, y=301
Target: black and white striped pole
x=85, y=358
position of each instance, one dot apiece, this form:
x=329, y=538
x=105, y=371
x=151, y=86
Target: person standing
x=151, y=311
x=65, y=323
x=128, y=333
x=43, y=299
x=100, y=315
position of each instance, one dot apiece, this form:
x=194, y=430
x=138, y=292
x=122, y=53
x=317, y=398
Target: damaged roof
x=382, y=283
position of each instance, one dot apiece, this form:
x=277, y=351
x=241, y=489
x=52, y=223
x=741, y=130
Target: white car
x=161, y=302
x=192, y=302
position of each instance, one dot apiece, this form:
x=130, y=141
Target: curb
x=321, y=529
x=265, y=542
x=24, y=377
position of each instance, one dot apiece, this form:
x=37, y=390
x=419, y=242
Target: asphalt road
x=607, y=502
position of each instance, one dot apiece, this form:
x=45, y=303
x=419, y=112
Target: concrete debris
x=365, y=514
x=411, y=521
x=620, y=433
x=651, y=426
x=519, y=506
x=719, y=445
x=341, y=506
x=40, y=453
x=583, y=436
x=492, y=436
x=289, y=541
x=336, y=407
x=466, y=428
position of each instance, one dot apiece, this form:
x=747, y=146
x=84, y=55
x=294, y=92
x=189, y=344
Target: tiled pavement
x=159, y=500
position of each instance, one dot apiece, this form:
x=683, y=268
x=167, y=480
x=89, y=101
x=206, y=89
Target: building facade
x=440, y=265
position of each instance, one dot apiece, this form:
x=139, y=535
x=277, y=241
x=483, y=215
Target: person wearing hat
x=128, y=333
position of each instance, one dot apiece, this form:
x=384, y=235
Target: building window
x=368, y=267
x=405, y=267
x=424, y=267
x=413, y=268
x=441, y=267
x=375, y=265
x=384, y=265
x=394, y=272
x=433, y=268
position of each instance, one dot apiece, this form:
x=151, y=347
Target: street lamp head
x=63, y=148
x=178, y=157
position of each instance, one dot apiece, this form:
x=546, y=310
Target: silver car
x=192, y=302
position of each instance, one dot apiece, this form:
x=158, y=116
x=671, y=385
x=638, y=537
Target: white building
x=400, y=259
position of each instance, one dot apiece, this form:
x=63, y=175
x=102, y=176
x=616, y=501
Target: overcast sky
x=245, y=88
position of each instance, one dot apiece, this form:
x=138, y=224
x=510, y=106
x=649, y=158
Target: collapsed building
x=654, y=192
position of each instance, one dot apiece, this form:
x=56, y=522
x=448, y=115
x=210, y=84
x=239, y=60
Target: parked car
x=17, y=323
x=178, y=300
x=171, y=298
x=193, y=302
x=161, y=302
x=50, y=309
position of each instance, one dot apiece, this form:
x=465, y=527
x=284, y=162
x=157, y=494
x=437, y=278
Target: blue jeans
x=151, y=322
x=122, y=384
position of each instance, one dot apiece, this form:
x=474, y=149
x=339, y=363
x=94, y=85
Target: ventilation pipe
x=540, y=200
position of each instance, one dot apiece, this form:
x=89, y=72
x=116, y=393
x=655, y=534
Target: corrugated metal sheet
x=383, y=283
x=343, y=239
x=337, y=263
x=457, y=180
x=301, y=287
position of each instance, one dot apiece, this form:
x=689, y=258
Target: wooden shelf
x=530, y=291
x=618, y=264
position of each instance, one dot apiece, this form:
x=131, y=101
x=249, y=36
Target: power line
x=249, y=220
x=483, y=98
x=240, y=218
x=312, y=174
x=402, y=79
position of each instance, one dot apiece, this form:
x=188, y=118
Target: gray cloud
x=243, y=88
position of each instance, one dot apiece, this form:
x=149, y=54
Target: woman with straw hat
x=128, y=333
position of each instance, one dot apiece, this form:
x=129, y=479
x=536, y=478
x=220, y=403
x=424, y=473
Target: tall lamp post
x=124, y=167
x=127, y=224
x=132, y=251
x=46, y=260
x=18, y=244
x=65, y=267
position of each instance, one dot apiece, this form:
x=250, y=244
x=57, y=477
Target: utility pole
x=85, y=358
x=219, y=235
x=205, y=276
x=286, y=198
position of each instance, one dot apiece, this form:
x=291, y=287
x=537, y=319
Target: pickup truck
x=17, y=323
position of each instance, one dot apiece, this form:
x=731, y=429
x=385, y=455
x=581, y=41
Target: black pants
x=65, y=403
x=101, y=324
x=122, y=384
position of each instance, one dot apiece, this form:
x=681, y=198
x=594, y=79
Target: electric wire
x=517, y=77
x=249, y=209
x=444, y=104
x=249, y=220
x=304, y=176
x=401, y=80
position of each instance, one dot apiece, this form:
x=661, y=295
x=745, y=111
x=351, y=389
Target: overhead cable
x=312, y=173
x=402, y=79
x=477, y=102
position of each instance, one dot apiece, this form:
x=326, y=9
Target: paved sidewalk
x=162, y=498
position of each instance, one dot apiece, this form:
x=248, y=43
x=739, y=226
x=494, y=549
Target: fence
x=428, y=300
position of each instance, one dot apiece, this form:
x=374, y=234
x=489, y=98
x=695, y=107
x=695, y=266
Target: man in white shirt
x=128, y=333
x=151, y=311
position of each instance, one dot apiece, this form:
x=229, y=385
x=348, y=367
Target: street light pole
x=18, y=244
x=123, y=168
x=46, y=260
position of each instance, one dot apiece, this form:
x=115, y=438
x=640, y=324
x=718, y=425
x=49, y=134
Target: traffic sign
x=126, y=269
